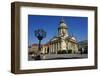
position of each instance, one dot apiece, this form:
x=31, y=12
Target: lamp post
x=40, y=34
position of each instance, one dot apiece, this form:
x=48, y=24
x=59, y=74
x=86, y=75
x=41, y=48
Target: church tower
x=63, y=29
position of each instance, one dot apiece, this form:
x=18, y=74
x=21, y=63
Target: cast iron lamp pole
x=40, y=34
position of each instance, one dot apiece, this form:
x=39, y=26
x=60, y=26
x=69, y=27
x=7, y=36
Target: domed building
x=62, y=43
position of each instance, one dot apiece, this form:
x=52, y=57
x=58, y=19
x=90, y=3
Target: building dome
x=62, y=24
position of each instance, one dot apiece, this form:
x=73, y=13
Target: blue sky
x=78, y=26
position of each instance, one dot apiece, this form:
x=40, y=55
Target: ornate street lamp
x=40, y=34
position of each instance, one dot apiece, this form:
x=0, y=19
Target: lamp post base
x=38, y=57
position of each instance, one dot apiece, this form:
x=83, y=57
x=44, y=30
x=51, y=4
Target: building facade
x=62, y=43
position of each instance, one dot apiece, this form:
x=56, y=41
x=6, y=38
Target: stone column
x=56, y=47
x=51, y=48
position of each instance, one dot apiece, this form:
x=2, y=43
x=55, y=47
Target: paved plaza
x=61, y=56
